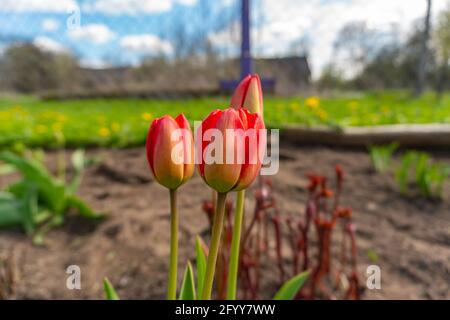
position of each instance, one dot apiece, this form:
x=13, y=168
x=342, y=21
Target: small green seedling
x=381, y=156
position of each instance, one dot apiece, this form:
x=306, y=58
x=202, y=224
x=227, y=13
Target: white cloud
x=227, y=40
x=187, y=2
x=50, y=25
x=145, y=44
x=38, y=5
x=289, y=20
x=118, y=7
x=49, y=45
x=93, y=33
x=94, y=63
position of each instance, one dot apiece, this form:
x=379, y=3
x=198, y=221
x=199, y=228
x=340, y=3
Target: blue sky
x=110, y=31
x=124, y=31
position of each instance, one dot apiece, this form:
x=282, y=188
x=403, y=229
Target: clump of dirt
x=409, y=236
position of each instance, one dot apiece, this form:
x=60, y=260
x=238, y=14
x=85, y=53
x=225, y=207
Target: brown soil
x=410, y=235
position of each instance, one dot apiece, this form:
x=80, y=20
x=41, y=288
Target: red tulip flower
x=230, y=147
x=170, y=154
x=248, y=95
x=170, y=151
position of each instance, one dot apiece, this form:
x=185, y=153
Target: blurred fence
x=110, y=48
x=146, y=48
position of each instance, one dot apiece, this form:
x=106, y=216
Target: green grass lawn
x=123, y=122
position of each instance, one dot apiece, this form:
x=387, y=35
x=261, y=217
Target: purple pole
x=246, y=57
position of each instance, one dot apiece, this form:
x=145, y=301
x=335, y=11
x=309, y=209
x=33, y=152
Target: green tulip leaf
x=290, y=289
x=19, y=211
x=7, y=169
x=110, y=293
x=51, y=190
x=201, y=265
x=79, y=164
x=188, y=286
x=84, y=210
x=11, y=210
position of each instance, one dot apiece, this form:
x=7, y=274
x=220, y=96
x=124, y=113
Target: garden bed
x=408, y=235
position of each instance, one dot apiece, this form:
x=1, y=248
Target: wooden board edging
x=417, y=135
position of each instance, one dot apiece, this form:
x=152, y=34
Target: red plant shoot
x=332, y=275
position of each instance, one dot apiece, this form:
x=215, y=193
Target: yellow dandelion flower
x=322, y=115
x=115, y=127
x=385, y=109
x=57, y=126
x=44, y=115
x=104, y=132
x=312, y=102
x=353, y=105
x=279, y=106
x=61, y=118
x=40, y=129
x=147, y=116
x=375, y=118
x=295, y=106
x=17, y=108
x=5, y=115
x=101, y=120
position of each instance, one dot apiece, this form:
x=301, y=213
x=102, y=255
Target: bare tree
x=26, y=68
x=422, y=65
x=442, y=43
x=354, y=46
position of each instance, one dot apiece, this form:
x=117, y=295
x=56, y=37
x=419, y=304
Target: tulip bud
x=230, y=146
x=248, y=95
x=170, y=151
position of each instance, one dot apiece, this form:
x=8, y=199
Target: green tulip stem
x=172, y=287
x=214, y=246
x=235, y=246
